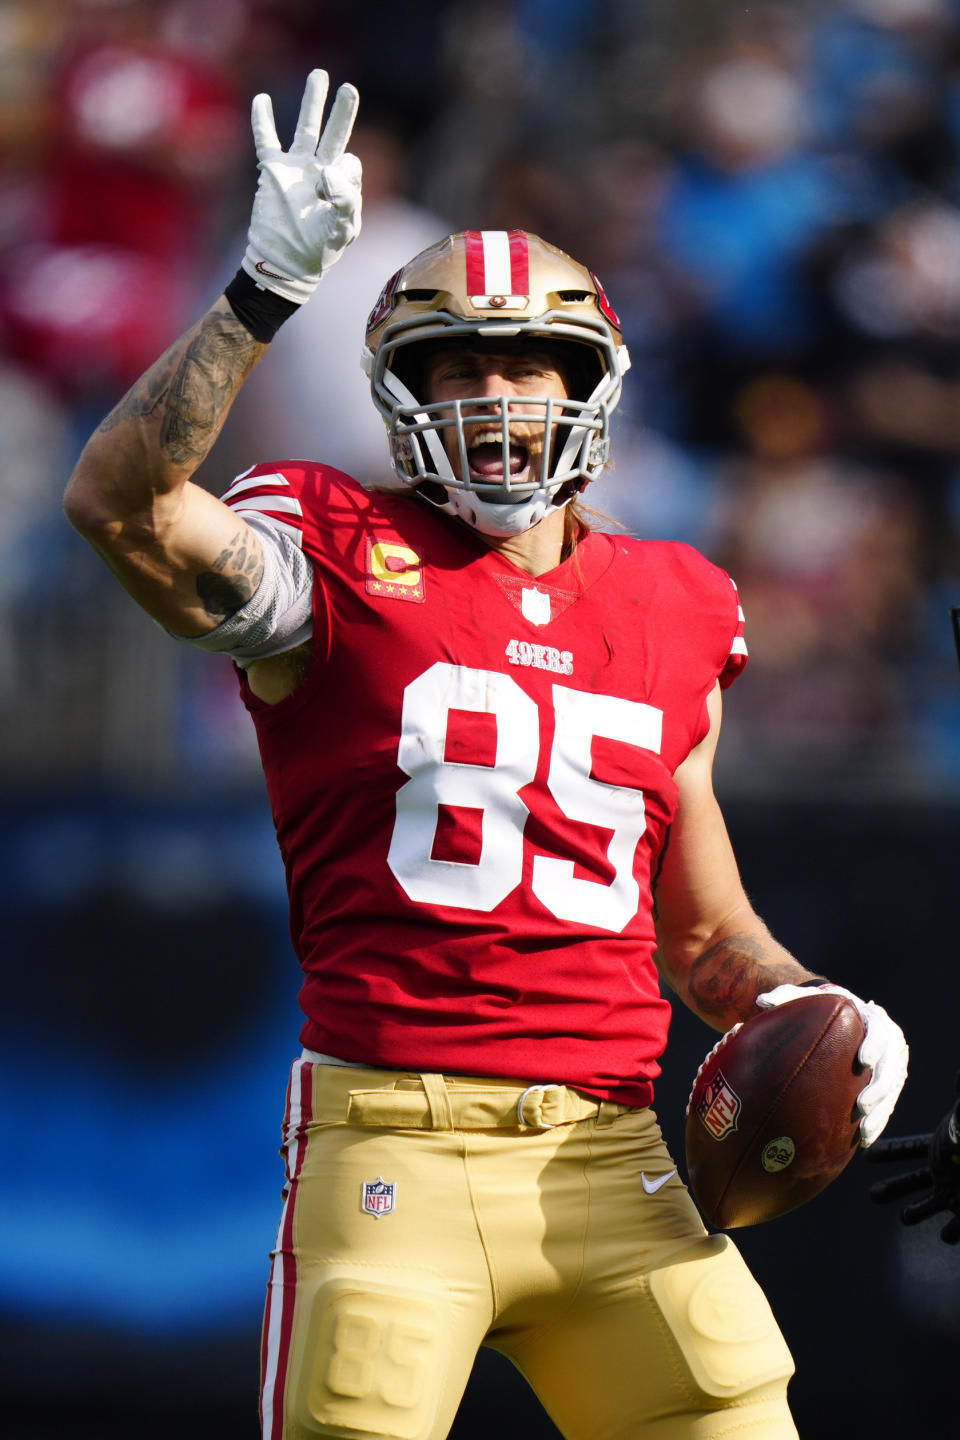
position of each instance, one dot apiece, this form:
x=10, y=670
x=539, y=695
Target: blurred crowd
x=771, y=195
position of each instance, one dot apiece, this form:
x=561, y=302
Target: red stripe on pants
x=285, y=1253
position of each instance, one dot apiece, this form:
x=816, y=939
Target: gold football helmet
x=495, y=286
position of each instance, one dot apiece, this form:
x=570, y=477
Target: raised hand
x=307, y=206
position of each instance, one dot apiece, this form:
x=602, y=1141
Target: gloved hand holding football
x=884, y=1050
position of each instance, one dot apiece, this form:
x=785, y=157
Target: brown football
x=773, y=1114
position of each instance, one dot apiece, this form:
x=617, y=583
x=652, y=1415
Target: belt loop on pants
x=608, y=1112
x=441, y=1111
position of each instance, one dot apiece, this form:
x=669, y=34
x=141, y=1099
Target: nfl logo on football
x=379, y=1196
x=719, y=1107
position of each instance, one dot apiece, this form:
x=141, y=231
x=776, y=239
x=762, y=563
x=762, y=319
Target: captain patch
x=394, y=571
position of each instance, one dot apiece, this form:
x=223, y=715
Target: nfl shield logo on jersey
x=535, y=606
x=379, y=1196
x=719, y=1107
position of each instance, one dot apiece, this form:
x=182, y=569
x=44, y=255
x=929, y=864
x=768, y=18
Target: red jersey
x=474, y=783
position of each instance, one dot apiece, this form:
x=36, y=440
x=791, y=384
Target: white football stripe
x=498, y=274
x=740, y=615
x=739, y=646
x=251, y=483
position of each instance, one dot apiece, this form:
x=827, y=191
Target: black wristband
x=260, y=310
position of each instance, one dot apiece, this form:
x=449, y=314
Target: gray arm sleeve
x=279, y=615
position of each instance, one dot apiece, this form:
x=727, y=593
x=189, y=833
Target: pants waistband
x=409, y=1101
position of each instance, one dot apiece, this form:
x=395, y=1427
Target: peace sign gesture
x=307, y=206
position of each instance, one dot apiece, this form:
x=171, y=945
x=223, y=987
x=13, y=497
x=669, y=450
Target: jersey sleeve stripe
x=738, y=656
x=252, y=482
x=283, y=504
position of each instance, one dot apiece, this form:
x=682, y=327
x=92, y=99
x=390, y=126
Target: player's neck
x=537, y=550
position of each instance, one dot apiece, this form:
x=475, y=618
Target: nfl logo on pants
x=378, y=1196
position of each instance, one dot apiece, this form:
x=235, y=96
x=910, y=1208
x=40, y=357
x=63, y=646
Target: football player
x=480, y=721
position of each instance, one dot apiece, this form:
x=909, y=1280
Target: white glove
x=884, y=1050
x=307, y=206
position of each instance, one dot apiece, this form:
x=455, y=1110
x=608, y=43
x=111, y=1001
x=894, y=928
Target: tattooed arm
x=184, y=556
x=714, y=950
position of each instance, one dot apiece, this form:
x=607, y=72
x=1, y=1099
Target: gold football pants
x=425, y=1216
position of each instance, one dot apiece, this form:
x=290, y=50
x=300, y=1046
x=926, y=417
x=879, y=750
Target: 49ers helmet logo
x=606, y=309
x=385, y=302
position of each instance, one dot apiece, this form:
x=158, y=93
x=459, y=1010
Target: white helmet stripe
x=498, y=275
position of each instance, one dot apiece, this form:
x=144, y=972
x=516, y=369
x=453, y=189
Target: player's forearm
x=719, y=977
x=140, y=457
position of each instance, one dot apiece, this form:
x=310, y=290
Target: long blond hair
x=578, y=520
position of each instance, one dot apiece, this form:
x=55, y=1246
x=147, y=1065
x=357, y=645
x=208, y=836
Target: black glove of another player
x=940, y=1174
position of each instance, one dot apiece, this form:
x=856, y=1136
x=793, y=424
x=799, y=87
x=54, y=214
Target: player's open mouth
x=486, y=460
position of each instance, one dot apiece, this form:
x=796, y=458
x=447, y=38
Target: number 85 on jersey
x=493, y=790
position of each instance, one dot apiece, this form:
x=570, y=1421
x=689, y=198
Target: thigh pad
x=369, y=1359
x=721, y=1322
